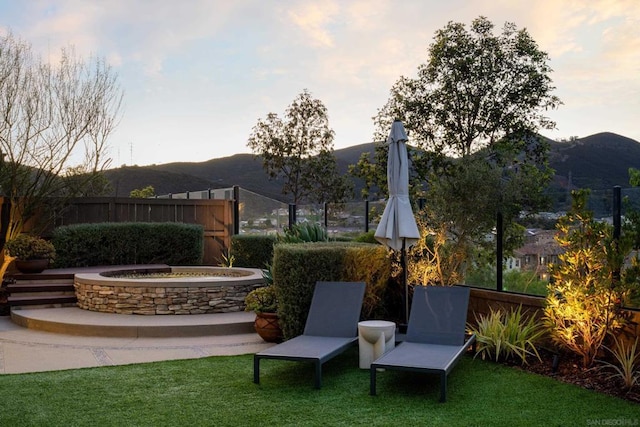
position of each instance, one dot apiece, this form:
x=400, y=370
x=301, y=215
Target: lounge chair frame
x=331, y=328
x=436, y=337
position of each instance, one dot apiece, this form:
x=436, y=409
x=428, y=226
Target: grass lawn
x=218, y=391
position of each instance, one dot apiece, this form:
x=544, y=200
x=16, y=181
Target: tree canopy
x=472, y=114
x=475, y=90
x=299, y=149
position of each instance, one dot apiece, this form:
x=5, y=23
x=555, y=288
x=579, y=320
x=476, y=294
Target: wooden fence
x=215, y=215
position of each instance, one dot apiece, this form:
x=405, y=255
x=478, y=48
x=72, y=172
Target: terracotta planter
x=267, y=326
x=32, y=266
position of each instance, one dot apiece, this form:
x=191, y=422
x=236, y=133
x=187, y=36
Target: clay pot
x=32, y=265
x=268, y=327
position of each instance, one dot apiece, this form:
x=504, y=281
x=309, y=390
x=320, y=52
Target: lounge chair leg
x=256, y=369
x=318, y=379
x=372, y=383
x=443, y=387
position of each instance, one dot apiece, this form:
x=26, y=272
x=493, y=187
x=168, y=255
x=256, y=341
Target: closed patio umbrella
x=397, y=228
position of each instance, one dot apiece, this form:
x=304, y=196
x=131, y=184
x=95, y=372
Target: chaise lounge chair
x=435, y=335
x=331, y=328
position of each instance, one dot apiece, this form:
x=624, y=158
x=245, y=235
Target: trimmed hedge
x=84, y=245
x=253, y=251
x=297, y=267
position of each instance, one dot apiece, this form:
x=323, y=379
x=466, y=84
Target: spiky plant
x=503, y=336
x=627, y=362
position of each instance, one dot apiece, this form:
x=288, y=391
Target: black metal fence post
x=499, y=241
x=292, y=214
x=366, y=216
x=617, y=225
x=617, y=211
x=326, y=215
x=236, y=209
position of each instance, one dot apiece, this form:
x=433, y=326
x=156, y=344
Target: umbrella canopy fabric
x=397, y=228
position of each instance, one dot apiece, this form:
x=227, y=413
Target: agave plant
x=304, y=232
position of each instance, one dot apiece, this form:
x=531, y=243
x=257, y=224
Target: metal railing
x=257, y=214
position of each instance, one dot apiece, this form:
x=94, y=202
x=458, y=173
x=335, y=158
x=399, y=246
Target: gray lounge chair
x=331, y=328
x=435, y=335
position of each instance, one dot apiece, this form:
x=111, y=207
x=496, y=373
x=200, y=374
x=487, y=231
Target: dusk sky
x=198, y=74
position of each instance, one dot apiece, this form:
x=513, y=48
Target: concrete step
x=42, y=300
x=58, y=281
x=75, y=321
x=26, y=295
x=46, y=276
x=43, y=287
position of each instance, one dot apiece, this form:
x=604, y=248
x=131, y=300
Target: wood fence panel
x=218, y=225
x=215, y=215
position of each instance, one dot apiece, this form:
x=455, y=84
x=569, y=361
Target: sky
x=197, y=75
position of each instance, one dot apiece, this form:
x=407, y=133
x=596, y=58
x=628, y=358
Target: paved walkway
x=27, y=350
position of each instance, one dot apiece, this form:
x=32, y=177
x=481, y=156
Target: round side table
x=375, y=337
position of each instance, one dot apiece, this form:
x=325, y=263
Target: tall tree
x=299, y=149
x=472, y=114
x=54, y=123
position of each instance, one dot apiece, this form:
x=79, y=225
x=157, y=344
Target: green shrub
x=584, y=302
x=26, y=247
x=369, y=263
x=297, y=267
x=503, y=336
x=262, y=300
x=84, y=245
x=368, y=237
x=253, y=251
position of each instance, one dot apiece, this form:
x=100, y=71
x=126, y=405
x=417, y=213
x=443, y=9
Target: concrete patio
x=70, y=338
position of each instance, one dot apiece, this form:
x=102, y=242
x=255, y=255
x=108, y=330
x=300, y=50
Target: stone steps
x=42, y=291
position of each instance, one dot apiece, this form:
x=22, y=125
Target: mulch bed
x=569, y=370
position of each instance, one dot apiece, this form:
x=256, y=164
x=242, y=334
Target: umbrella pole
x=403, y=264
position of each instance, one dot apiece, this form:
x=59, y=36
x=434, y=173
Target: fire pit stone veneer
x=207, y=290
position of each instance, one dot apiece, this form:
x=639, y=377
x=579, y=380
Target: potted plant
x=264, y=302
x=33, y=254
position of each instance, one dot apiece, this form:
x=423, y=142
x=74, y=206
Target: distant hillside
x=598, y=162
x=128, y=178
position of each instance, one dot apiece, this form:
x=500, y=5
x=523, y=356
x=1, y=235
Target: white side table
x=375, y=337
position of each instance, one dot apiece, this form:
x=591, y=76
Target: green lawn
x=218, y=391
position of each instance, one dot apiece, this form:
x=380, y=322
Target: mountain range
x=598, y=162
